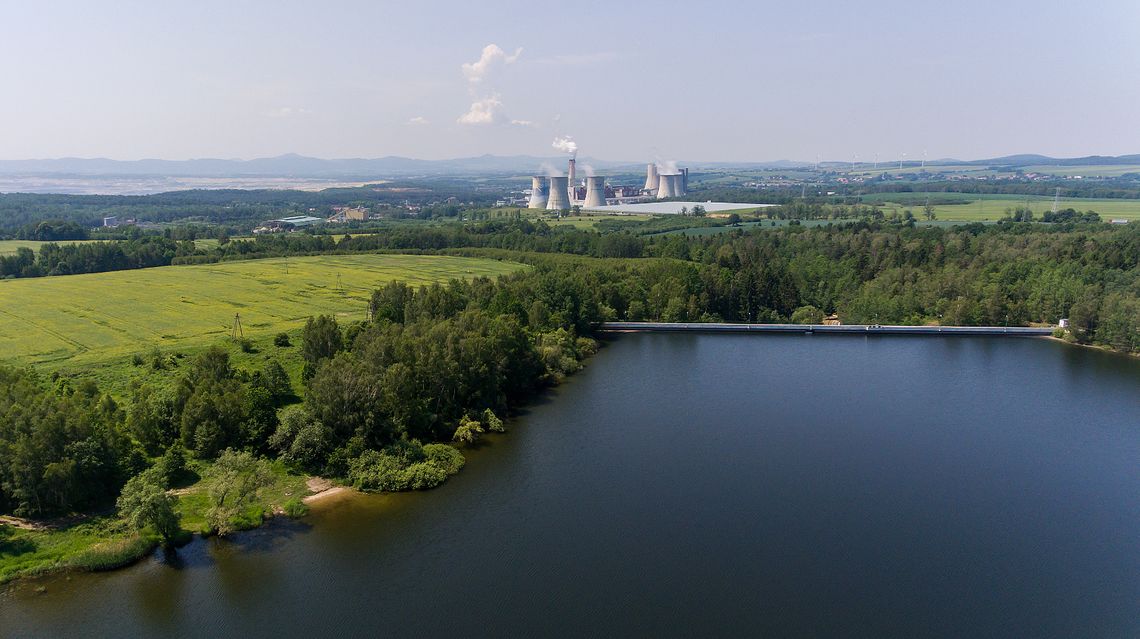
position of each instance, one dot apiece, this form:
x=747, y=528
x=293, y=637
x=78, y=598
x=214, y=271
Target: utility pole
x=236, y=332
x=1056, y=200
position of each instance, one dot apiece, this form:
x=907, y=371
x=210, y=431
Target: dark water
x=690, y=485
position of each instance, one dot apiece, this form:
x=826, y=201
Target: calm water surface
x=688, y=485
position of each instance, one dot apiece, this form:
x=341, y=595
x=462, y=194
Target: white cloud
x=489, y=111
x=419, y=120
x=286, y=112
x=484, y=112
x=492, y=55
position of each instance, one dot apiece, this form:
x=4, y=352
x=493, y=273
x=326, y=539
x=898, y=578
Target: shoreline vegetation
x=155, y=446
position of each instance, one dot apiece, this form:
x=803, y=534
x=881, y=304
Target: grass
x=1108, y=170
x=83, y=320
x=100, y=543
x=106, y=543
x=9, y=247
x=979, y=208
x=590, y=222
x=194, y=503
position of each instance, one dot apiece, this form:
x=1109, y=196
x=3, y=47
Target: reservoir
x=696, y=485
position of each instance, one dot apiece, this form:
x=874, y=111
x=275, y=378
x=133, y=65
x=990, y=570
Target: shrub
x=408, y=466
x=445, y=457
x=468, y=431
x=295, y=508
x=281, y=340
x=807, y=315
x=494, y=424
x=246, y=346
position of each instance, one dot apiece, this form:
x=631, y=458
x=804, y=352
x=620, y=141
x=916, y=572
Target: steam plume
x=566, y=145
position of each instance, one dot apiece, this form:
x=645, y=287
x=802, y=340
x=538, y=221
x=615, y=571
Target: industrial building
x=561, y=192
x=287, y=224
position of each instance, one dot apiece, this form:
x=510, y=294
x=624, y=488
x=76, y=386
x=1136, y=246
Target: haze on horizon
x=717, y=81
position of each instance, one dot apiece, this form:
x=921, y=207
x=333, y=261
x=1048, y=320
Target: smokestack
x=571, y=173
x=559, y=199
x=666, y=186
x=651, y=177
x=684, y=181
x=538, y=193
x=595, y=192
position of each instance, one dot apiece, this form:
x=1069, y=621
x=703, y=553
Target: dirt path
x=42, y=524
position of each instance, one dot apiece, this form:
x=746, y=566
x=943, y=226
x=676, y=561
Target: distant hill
x=293, y=165
x=290, y=165
x=1029, y=159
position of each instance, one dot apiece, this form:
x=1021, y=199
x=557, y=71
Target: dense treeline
x=93, y=257
x=974, y=275
x=21, y=213
x=62, y=448
x=849, y=193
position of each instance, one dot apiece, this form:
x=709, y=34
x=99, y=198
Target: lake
x=694, y=485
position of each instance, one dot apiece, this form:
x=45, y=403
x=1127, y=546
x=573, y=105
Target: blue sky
x=704, y=81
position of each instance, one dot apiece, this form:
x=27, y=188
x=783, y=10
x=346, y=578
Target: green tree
x=807, y=315
x=468, y=431
x=494, y=424
x=233, y=484
x=143, y=502
x=320, y=340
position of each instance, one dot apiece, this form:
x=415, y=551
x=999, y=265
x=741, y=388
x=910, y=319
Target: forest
x=388, y=403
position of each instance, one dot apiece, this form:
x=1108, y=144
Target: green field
x=979, y=208
x=1108, y=170
x=9, y=247
x=589, y=222
x=85, y=319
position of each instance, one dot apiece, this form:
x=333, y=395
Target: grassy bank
x=106, y=542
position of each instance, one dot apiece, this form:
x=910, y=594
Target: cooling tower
x=537, y=193
x=595, y=191
x=651, y=178
x=559, y=199
x=666, y=184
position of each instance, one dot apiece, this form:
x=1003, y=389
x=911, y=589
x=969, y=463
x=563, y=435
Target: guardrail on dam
x=848, y=329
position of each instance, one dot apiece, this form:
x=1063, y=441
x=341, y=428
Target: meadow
x=969, y=207
x=79, y=320
x=9, y=247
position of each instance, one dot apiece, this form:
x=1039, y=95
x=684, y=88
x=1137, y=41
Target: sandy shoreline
x=323, y=489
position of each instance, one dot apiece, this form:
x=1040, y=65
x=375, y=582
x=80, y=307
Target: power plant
x=559, y=198
x=538, y=193
x=561, y=192
x=652, y=179
x=595, y=192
